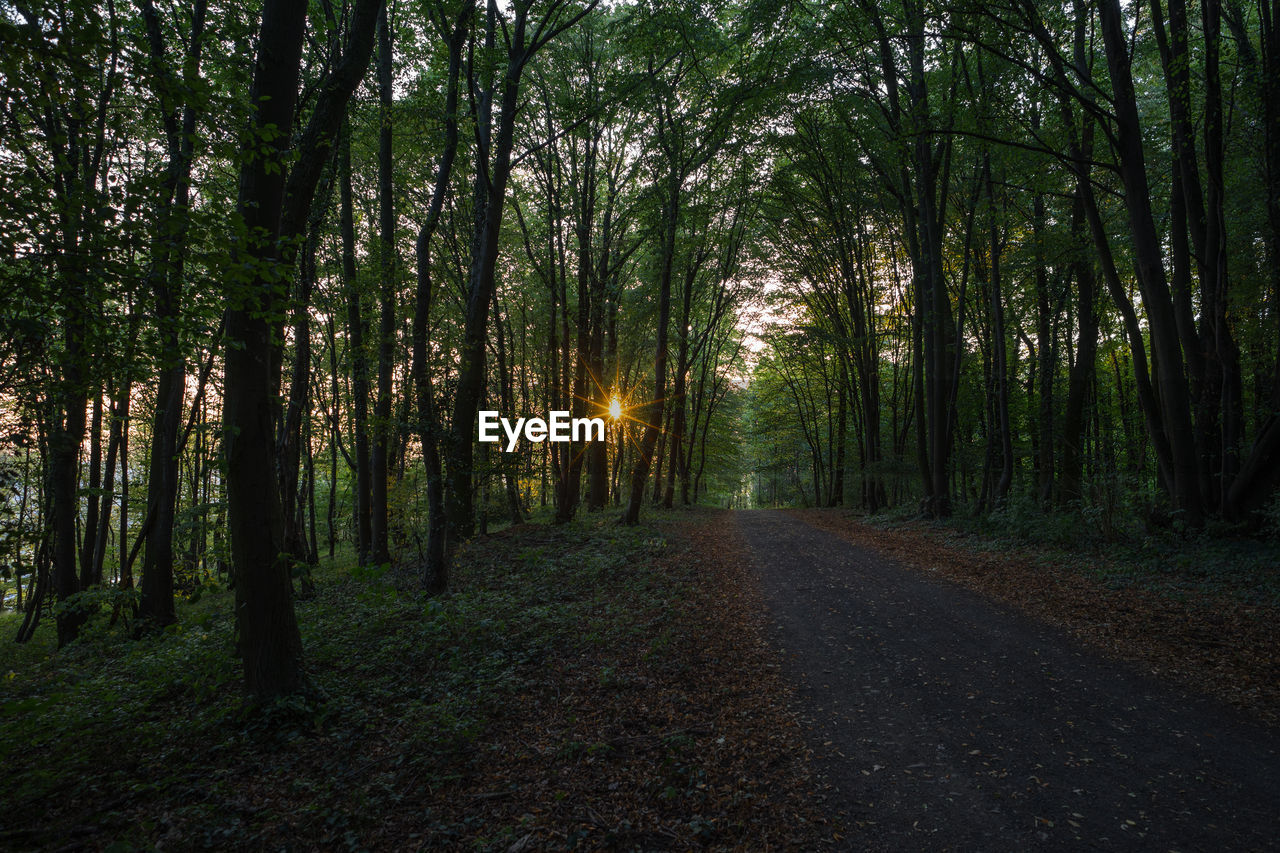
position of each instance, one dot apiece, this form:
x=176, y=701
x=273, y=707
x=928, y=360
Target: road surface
x=945, y=721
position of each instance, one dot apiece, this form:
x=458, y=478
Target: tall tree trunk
x=837, y=475
x=335, y=426
x=64, y=467
x=88, y=540
x=510, y=461
x=860, y=299
x=1045, y=352
x=602, y=385
x=1226, y=352
x=115, y=436
x=268, y=638
x=1174, y=397
x=1082, y=371
x=493, y=169
x=651, y=414
x=122, y=546
x=938, y=326
x=435, y=570
x=1259, y=474
x=156, y=605
x=269, y=642
x=678, y=389
x=289, y=451
x=661, y=455
x=999, y=336
x=358, y=352
x=380, y=552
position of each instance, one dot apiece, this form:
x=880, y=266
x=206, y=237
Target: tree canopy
x=262, y=264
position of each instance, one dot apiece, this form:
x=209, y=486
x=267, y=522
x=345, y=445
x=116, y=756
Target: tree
x=271, y=207
x=523, y=39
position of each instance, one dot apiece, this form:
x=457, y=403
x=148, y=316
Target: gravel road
x=946, y=721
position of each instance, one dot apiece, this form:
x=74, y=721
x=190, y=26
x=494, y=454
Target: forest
x=264, y=262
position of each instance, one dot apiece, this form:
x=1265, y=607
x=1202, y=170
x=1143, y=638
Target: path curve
x=946, y=721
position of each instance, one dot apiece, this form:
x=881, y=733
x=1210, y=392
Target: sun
x=615, y=409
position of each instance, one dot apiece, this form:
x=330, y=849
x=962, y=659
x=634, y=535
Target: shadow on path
x=946, y=721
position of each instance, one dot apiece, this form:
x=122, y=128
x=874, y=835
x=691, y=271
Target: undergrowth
x=1172, y=559
x=147, y=742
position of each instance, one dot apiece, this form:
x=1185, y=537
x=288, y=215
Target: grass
x=123, y=744
x=375, y=648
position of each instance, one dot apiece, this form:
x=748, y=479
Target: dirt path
x=946, y=721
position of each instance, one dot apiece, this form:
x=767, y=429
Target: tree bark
x=435, y=569
x=358, y=352
x=1174, y=397
x=999, y=336
x=380, y=549
x=651, y=413
x=1082, y=371
x=493, y=168
x=269, y=641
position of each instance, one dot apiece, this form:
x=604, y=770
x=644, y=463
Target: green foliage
x=1271, y=520
x=1174, y=562
x=1022, y=519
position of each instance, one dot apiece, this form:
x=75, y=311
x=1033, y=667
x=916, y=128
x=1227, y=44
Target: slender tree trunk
x=1082, y=371
x=156, y=605
x=313, y=548
x=678, y=390
x=64, y=476
x=661, y=454
x=125, y=568
x=938, y=326
x=998, y=340
x=837, y=475
x=510, y=461
x=89, y=540
x=1172, y=386
x=651, y=414
x=1226, y=352
x=115, y=432
x=334, y=426
x=22, y=527
x=435, y=570
x=380, y=552
x=493, y=170
x=602, y=385
x=359, y=360
x=297, y=411
x=1045, y=353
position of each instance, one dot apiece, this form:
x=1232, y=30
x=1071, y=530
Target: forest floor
x=709, y=679
x=960, y=698
x=588, y=686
